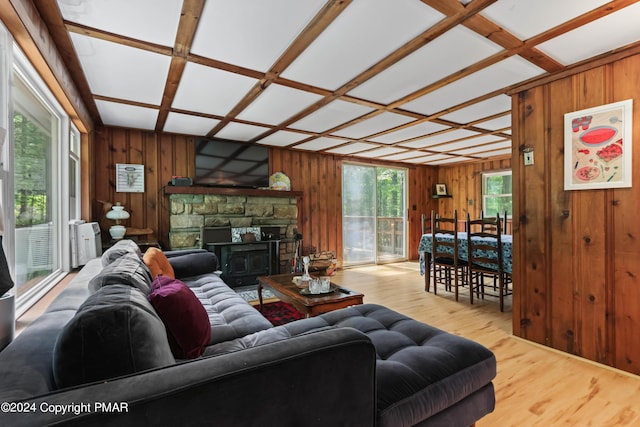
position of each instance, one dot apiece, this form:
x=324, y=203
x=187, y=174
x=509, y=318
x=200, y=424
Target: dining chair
x=448, y=269
x=489, y=226
x=485, y=259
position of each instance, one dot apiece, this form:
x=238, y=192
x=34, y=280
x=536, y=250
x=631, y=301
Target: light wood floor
x=535, y=386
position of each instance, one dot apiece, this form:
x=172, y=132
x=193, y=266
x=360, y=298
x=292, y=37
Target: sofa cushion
x=193, y=264
x=125, y=270
x=230, y=316
x=122, y=247
x=158, y=263
x=114, y=332
x=183, y=315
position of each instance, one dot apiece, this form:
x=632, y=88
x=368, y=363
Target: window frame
x=485, y=196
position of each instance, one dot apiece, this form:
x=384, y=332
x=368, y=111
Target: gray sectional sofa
x=102, y=355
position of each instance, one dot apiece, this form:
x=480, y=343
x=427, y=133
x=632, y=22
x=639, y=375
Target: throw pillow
x=121, y=247
x=193, y=264
x=183, y=315
x=126, y=270
x=114, y=332
x=158, y=263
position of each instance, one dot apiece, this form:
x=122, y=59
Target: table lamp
x=117, y=213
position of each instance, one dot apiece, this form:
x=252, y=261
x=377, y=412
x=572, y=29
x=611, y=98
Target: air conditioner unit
x=88, y=243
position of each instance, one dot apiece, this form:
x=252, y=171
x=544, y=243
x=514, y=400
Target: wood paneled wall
x=318, y=176
x=163, y=155
x=464, y=184
x=577, y=269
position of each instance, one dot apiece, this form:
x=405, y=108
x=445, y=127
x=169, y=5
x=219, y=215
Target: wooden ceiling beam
x=189, y=18
x=331, y=10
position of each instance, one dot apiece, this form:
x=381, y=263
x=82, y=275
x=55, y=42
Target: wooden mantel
x=231, y=191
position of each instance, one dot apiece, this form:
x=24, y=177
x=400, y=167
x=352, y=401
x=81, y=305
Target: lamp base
x=117, y=231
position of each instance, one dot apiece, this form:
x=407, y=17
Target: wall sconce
x=117, y=213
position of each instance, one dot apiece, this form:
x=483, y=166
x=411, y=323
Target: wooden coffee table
x=283, y=287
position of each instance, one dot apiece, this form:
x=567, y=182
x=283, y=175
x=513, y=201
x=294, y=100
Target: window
x=496, y=193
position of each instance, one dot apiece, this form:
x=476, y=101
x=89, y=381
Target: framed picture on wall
x=597, y=147
x=441, y=190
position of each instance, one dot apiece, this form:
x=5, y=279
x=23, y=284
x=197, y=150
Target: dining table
x=506, y=243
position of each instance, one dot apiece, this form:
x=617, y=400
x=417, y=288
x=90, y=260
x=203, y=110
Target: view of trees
x=497, y=194
x=31, y=150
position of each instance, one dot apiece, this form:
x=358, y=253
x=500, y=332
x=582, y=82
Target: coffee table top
x=283, y=285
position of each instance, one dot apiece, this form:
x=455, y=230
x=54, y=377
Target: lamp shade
x=117, y=213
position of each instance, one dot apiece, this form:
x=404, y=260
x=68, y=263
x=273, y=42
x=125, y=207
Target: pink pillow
x=183, y=315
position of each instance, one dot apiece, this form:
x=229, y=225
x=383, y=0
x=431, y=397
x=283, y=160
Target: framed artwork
x=129, y=178
x=441, y=190
x=598, y=146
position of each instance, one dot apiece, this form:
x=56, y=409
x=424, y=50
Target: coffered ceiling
x=419, y=82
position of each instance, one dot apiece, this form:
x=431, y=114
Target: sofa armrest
x=192, y=262
x=316, y=379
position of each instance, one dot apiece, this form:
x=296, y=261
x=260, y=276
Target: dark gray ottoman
x=424, y=376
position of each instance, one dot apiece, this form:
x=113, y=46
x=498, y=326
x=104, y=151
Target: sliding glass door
x=373, y=214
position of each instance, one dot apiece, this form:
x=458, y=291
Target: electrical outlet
x=528, y=158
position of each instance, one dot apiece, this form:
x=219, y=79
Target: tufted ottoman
x=424, y=376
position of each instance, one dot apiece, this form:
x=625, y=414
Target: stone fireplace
x=191, y=213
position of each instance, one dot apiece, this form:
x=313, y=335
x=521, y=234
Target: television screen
x=231, y=164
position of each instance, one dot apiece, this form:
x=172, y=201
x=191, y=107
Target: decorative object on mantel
x=117, y=214
x=280, y=181
x=597, y=147
x=441, y=190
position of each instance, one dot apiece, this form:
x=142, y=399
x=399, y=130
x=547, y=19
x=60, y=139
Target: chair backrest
x=485, y=245
x=501, y=223
x=444, y=237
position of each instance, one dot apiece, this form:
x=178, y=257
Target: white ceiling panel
x=504, y=73
x=526, y=19
x=456, y=159
x=330, y=116
x=374, y=125
x=451, y=52
x=484, y=148
x=381, y=152
x=621, y=28
x=495, y=105
x=251, y=33
x=122, y=72
x=428, y=159
x=320, y=144
x=115, y=114
x=189, y=125
x=414, y=131
x=440, y=138
x=133, y=18
x=278, y=103
x=362, y=35
x=282, y=138
x=453, y=146
x=352, y=148
x=495, y=124
x=209, y=90
x=502, y=152
x=404, y=156
x=240, y=131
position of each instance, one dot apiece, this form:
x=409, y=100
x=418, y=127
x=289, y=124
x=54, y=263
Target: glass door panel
x=391, y=214
x=35, y=133
x=358, y=214
x=373, y=214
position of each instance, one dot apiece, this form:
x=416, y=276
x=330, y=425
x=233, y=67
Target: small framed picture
x=441, y=190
